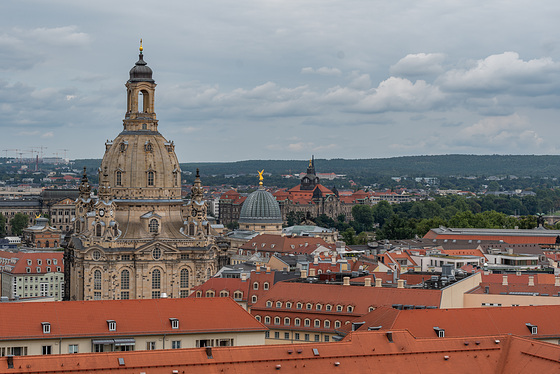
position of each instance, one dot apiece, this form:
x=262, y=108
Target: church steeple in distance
x=310, y=180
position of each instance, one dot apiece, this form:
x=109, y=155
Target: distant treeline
x=429, y=166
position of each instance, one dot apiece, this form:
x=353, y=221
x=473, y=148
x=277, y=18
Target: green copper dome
x=260, y=206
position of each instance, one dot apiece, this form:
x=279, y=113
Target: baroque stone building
x=138, y=238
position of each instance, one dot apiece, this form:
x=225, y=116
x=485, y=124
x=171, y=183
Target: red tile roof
x=367, y=352
x=133, y=317
x=29, y=260
x=230, y=285
x=360, y=297
x=283, y=244
x=473, y=321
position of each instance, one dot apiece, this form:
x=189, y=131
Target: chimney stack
x=400, y=283
x=311, y=272
x=557, y=281
x=346, y=281
x=303, y=274
x=368, y=282
x=378, y=282
x=531, y=280
x=316, y=259
x=243, y=277
x=505, y=280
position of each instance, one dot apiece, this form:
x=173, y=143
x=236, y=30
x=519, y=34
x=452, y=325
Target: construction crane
x=65, y=150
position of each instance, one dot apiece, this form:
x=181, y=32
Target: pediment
x=149, y=247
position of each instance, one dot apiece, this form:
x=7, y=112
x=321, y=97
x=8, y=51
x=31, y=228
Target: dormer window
x=269, y=304
x=46, y=327
x=265, y=286
x=29, y=262
x=174, y=323
x=440, y=332
x=39, y=262
x=279, y=304
x=112, y=325
x=532, y=328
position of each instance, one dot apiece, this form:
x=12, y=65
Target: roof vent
x=374, y=328
x=389, y=335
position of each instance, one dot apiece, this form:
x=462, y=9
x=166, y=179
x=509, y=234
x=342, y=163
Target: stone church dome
x=260, y=207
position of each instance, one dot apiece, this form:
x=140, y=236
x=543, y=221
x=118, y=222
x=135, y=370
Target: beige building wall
x=453, y=295
x=85, y=344
x=477, y=300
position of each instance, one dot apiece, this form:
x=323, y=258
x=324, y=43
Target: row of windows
x=150, y=175
x=40, y=262
x=48, y=269
x=297, y=336
x=156, y=279
x=266, y=285
x=223, y=293
x=298, y=322
x=309, y=306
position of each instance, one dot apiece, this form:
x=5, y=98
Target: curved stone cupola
x=140, y=163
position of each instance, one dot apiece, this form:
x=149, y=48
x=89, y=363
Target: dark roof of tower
x=141, y=72
x=260, y=206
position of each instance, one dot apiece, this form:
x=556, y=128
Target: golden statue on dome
x=260, y=177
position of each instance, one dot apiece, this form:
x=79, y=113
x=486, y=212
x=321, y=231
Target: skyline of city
x=256, y=80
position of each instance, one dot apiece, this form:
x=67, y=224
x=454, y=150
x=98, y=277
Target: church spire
x=85, y=188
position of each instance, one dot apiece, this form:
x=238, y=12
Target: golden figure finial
x=310, y=162
x=141, y=48
x=39, y=216
x=260, y=177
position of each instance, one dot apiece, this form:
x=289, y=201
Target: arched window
x=297, y=321
x=267, y=320
x=154, y=226
x=119, y=178
x=208, y=273
x=224, y=293
x=286, y=320
x=276, y=320
x=184, y=278
x=156, y=279
x=98, y=230
x=125, y=280
x=265, y=286
x=254, y=299
x=97, y=280
x=150, y=178
x=47, y=244
x=317, y=323
x=327, y=324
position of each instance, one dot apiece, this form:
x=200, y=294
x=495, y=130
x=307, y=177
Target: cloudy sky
x=284, y=79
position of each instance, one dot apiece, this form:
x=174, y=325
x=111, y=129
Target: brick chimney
x=504, y=280
x=531, y=280
x=346, y=281
x=378, y=282
x=557, y=281
x=316, y=259
x=367, y=282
